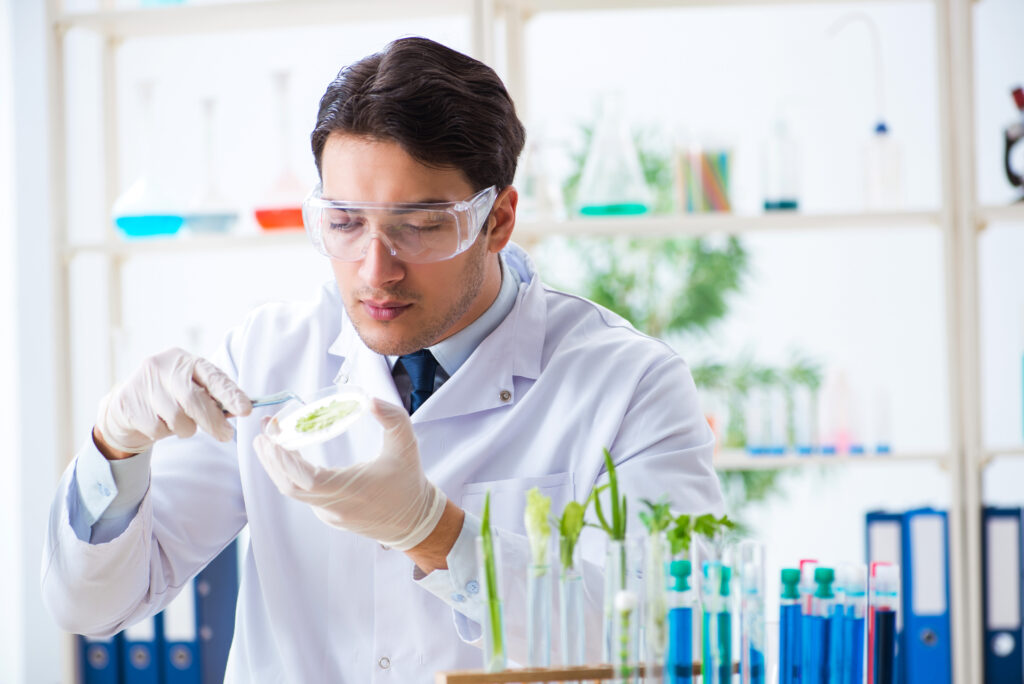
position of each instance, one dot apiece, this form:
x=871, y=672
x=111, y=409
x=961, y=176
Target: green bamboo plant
x=496, y=657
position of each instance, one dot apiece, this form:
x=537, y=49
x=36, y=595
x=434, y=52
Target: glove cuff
x=106, y=425
x=433, y=507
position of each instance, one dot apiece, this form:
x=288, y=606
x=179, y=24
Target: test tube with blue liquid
x=837, y=628
x=815, y=668
x=679, y=661
x=807, y=587
x=885, y=600
x=716, y=595
x=854, y=625
x=752, y=636
x=789, y=627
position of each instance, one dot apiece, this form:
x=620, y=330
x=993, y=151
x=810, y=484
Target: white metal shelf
x=736, y=459
x=995, y=452
x=253, y=15
x=1009, y=213
x=646, y=226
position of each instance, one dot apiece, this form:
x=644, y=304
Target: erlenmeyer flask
x=208, y=210
x=142, y=210
x=281, y=204
x=612, y=182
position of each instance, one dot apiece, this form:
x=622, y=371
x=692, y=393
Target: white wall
x=10, y=634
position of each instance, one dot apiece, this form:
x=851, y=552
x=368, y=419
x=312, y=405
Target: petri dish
x=325, y=414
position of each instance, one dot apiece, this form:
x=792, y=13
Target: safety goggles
x=416, y=233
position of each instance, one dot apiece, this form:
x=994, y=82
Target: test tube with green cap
x=679, y=661
x=789, y=627
x=814, y=669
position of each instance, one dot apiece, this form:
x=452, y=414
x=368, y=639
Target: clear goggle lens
x=416, y=233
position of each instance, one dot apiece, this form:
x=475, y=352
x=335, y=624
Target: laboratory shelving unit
x=959, y=218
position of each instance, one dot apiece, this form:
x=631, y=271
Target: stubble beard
x=436, y=326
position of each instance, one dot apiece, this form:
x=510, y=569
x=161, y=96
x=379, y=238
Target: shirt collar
x=453, y=351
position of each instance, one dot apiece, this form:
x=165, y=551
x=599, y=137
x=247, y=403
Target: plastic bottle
x=883, y=180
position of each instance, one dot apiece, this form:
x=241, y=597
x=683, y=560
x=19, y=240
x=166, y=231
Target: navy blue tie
x=421, y=367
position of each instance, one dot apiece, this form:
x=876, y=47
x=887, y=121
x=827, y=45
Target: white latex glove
x=170, y=394
x=388, y=499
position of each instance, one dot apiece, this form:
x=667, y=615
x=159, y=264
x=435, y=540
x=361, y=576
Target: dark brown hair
x=443, y=108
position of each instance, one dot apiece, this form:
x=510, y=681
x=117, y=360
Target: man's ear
x=502, y=219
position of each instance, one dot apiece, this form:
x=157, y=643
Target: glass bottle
x=612, y=181
x=281, y=205
x=143, y=210
x=208, y=211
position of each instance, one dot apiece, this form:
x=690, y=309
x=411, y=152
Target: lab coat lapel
x=361, y=366
x=485, y=380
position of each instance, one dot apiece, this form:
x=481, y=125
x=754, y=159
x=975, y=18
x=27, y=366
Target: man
x=510, y=385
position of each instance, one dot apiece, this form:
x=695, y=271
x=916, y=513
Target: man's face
x=396, y=307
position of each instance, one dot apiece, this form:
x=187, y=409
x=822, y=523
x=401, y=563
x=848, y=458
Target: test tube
x=789, y=627
x=752, y=665
x=885, y=599
x=807, y=587
x=679, y=661
x=716, y=595
x=816, y=641
x=854, y=625
x=837, y=629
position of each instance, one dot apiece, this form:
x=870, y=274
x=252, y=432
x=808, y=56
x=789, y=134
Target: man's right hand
x=172, y=393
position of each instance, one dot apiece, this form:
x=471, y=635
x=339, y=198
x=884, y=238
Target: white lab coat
x=557, y=381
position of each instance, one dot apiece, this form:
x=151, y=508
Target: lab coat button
x=505, y=395
x=384, y=663
x=458, y=598
x=473, y=587
x=385, y=547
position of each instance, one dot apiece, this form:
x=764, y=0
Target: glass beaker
x=281, y=205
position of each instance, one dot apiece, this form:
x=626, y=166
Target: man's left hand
x=388, y=498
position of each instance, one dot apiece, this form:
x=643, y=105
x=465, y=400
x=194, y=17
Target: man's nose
x=378, y=266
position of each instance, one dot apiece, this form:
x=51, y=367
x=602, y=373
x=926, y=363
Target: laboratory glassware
x=570, y=596
x=488, y=550
x=716, y=599
x=815, y=642
x=703, y=177
x=884, y=606
x=281, y=205
x=883, y=181
x=752, y=634
x=781, y=169
x=143, y=210
x=622, y=613
x=324, y=415
x=208, y=211
x=679, y=659
x=1012, y=136
x=612, y=181
x=789, y=627
x=854, y=624
x=539, y=607
x=656, y=558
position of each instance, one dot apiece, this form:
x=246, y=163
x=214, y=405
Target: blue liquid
x=814, y=669
x=756, y=666
x=149, y=225
x=679, y=665
x=210, y=222
x=789, y=644
x=853, y=649
x=717, y=666
x=836, y=634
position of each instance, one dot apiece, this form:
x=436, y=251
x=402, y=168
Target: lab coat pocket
x=508, y=498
